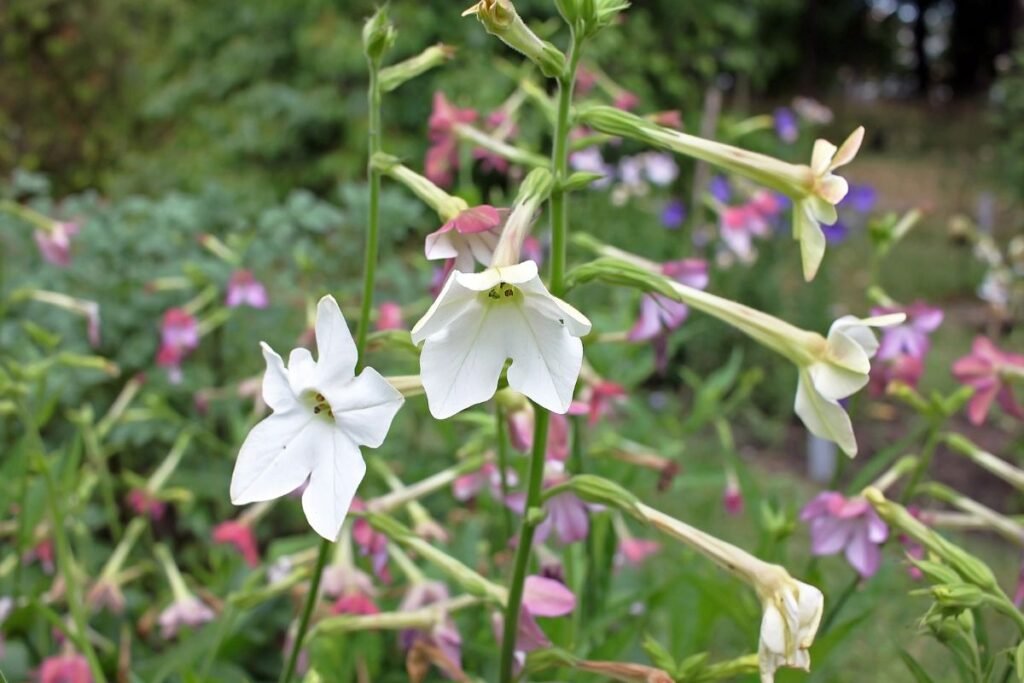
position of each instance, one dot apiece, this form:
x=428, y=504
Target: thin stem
x=362, y=331
x=502, y=438
x=924, y=463
x=833, y=614
x=522, y=561
x=560, y=169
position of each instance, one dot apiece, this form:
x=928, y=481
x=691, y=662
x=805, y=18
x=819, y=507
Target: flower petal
x=848, y=150
x=277, y=392
x=335, y=348
x=440, y=244
x=862, y=554
x=365, y=407
x=454, y=300
x=823, y=417
x=821, y=156
x=275, y=458
x=546, y=358
x=812, y=240
x=545, y=597
x=337, y=473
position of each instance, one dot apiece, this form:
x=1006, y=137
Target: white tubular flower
x=819, y=206
x=792, y=613
x=479, y=321
x=322, y=413
x=839, y=369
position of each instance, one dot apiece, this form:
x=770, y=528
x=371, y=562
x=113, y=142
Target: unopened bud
x=393, y=76
x=378, y=35
x=500, y=19
x=594, y=489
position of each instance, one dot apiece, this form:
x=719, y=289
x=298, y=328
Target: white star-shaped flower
x=840, y=371
x=323, y=413
x=482, y=319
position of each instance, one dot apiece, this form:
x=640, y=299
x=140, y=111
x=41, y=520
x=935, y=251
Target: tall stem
x=560, y=169
x=522, y=561
x=362, y=330
x=502, y=437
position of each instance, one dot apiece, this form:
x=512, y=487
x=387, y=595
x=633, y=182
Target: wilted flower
x=245, y=290
x=322, y=414
x=792, y=613
x=188, y=611
x=240, y=535
x=990, y=371
x=443, y=153
x=785, y=125
x=468, y=238
x=55, y=244
x=444, y=635
x=480, y=320
x=66, y=668
x=849, y=525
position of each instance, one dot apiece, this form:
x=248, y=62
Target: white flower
x=840, y=370
x=323, y=413
x=661, y=169
x=792, y=613
x=482, y=319
x=819, y=206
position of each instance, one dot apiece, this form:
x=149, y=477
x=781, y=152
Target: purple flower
x=786, y=126
x=542, y=597
x=246, y=290
x=860, y=198
x=444, y=636
x=851, y=525
x=910, y=338
x=189, y=611
x=673, y=214
x=567, y=515
x=835, y=233
x=719, y=188
x=660, y=315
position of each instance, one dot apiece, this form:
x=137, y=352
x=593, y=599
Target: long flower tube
x=830, y=367
x=814, y=188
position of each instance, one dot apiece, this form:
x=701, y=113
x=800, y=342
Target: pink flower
x=179, y=336
x=189, y=611
x=766, y=204
x=635, y=551
x=246, y=290
x=372, y=543
x=732, y=498
x=42, y=552
x=910, y=338
x=851, y=525
x=240, y=535
x=567, y=515
x=469, y=486
x=660, y=315
x=542, y=597
x=355, y=603
x=340, y=579
x=66, y=668
x=443, y=153
x=520, y=431
x=585, y=81
x=598, y=400
x=468, y=238
x=55, y=245
x=144, y=503
x=904, y=369
x=389, y=316
x=533, y=250
x=739, y=225
x=495, y=125
x=987, y=369
x=626, y=101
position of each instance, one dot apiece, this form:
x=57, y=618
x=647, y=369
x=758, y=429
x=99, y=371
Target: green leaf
x=916, y=670
x=659, y=655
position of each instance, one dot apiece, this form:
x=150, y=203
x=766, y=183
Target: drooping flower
x=598, y=399
x=568, y=516
x=240, y=535
x=910, y=338
x=443, y=153
x=66, y=668
x=245, y=290
x=468, y=238
x=322, y=413
x=372, y=543
x=481, y=319
x=444, y=638
x=520, y=431
x=990, y=372
x=732, y=496
x=500, y=127
x=785, y=125
x=55, y=244
x=852, y=526
x=903, y=369
x=179, y=336
x=189, y=611
x=542, y=597
x=792, y=613
x=389, y=316
x=659, y=315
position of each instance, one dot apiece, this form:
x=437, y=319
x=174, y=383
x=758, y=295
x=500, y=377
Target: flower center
x=321, y=407
x=503, y=293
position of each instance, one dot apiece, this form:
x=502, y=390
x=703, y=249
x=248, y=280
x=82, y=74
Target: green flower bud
x=378, y=35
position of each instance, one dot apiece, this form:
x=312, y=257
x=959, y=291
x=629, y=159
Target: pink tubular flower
x=468, y=238
x=443, y=153
x=732, y=497
x=189, y=611
x=520, y=432
x=355, y=603
x=567, y=515
x=904, y=369
x=179, y=336
x=542, y=597
x=660, y=315
x=496, y=126
x=246, y=290
x=635, y=551
x=598, y=400
x=910, y=338
x=625, y=101
x=988, y=370
x=372, y=543
x=240, y=535
x=851, y=525
x=739, y=225
x=55, y=245
x=144, y=503
x=389, y=316
x=65, y=668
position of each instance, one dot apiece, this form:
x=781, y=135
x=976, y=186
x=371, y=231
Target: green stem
x=362, y=331
x=560, y=169
x=522, y=561
x=844, y=597
x=64, y=558
x=502, y=437
x=927, y=453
